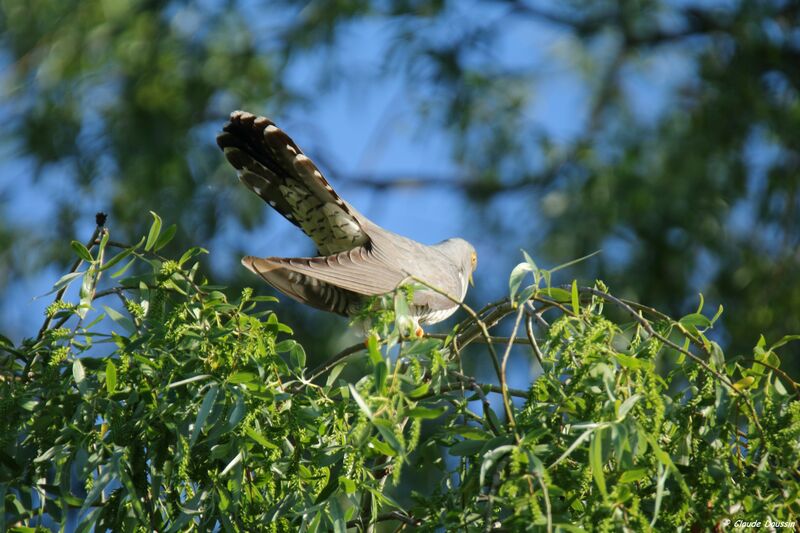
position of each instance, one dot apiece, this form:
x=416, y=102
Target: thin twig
x=503, y=379
x=532, y=340
x=481, y=340
x=452, y=387
x=488, y=525
x=392, y=515
x=474, y=330
x=483, y=328
x=485, y=403
x=336, y=359
x=546, y=502
x=778, y=371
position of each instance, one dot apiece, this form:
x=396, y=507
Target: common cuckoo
x=357, y=258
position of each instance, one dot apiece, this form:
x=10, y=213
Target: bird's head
x=462, y=254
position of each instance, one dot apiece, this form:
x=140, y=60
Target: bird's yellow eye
x=474, y=259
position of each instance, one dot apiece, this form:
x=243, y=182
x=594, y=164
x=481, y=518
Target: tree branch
x=393, y=515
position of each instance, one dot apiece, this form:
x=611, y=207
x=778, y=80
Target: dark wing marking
x=271, y=165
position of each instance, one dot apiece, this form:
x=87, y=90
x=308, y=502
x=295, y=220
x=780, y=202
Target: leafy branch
x=181, y=407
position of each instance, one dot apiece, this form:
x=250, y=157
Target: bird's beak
x=471, y=281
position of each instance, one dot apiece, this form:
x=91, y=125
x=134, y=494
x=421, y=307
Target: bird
x=357, y=259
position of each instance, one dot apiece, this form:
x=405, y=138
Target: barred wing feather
x=271, y=165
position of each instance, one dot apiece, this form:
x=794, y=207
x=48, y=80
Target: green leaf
x=627, y=405
x=422, y=346
x=82, y=251
x=701, y=304
x=116, y=259
x=124, y=269
x=381, y=447
x=133, y=494
x=335, y=371
x=695, y=320
x=360, y=401
x=664, y=457
x=628, y=361
x=491, y=458
x=87, y=291
x=62, y=282
x=372, y=348
x=111, y=377
x=297, y=356
x=663, y=472
x=596, y=461
x=327, y=459
x=470, y=432
x=422, y=390
x=66, y=280
x=631, y=476
x=466, y=447
x=402, y=313
x=425, y=413
x=89, y=520
x=237, y=413
x=576, y=301
x=585, y=435
x=383, y=427
x=744, y=383
x=285, y=346
x=332, y=484
x=347, y=484
x=188, y=380
x=202, y=414
x=23, y=529
x=716, y=356
x=126, y=323
x=339, y=523
x=380, y=372
x=530, y=261
x=557, y=294
x=242, y=377
x=718, y=314
x=786, y=339
x=235, y=461
x=165, y=238
x=515, y=279
x=107, y=474
x=259, y=438
x=78, y=372
x=103, y=240
x=190, y=253
x=574, y=261
x=155, y=230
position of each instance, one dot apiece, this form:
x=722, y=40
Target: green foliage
x=187, y=407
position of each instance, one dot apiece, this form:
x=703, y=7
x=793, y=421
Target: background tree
x=679, y=157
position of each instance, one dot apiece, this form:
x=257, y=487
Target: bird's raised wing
x=271, y=165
